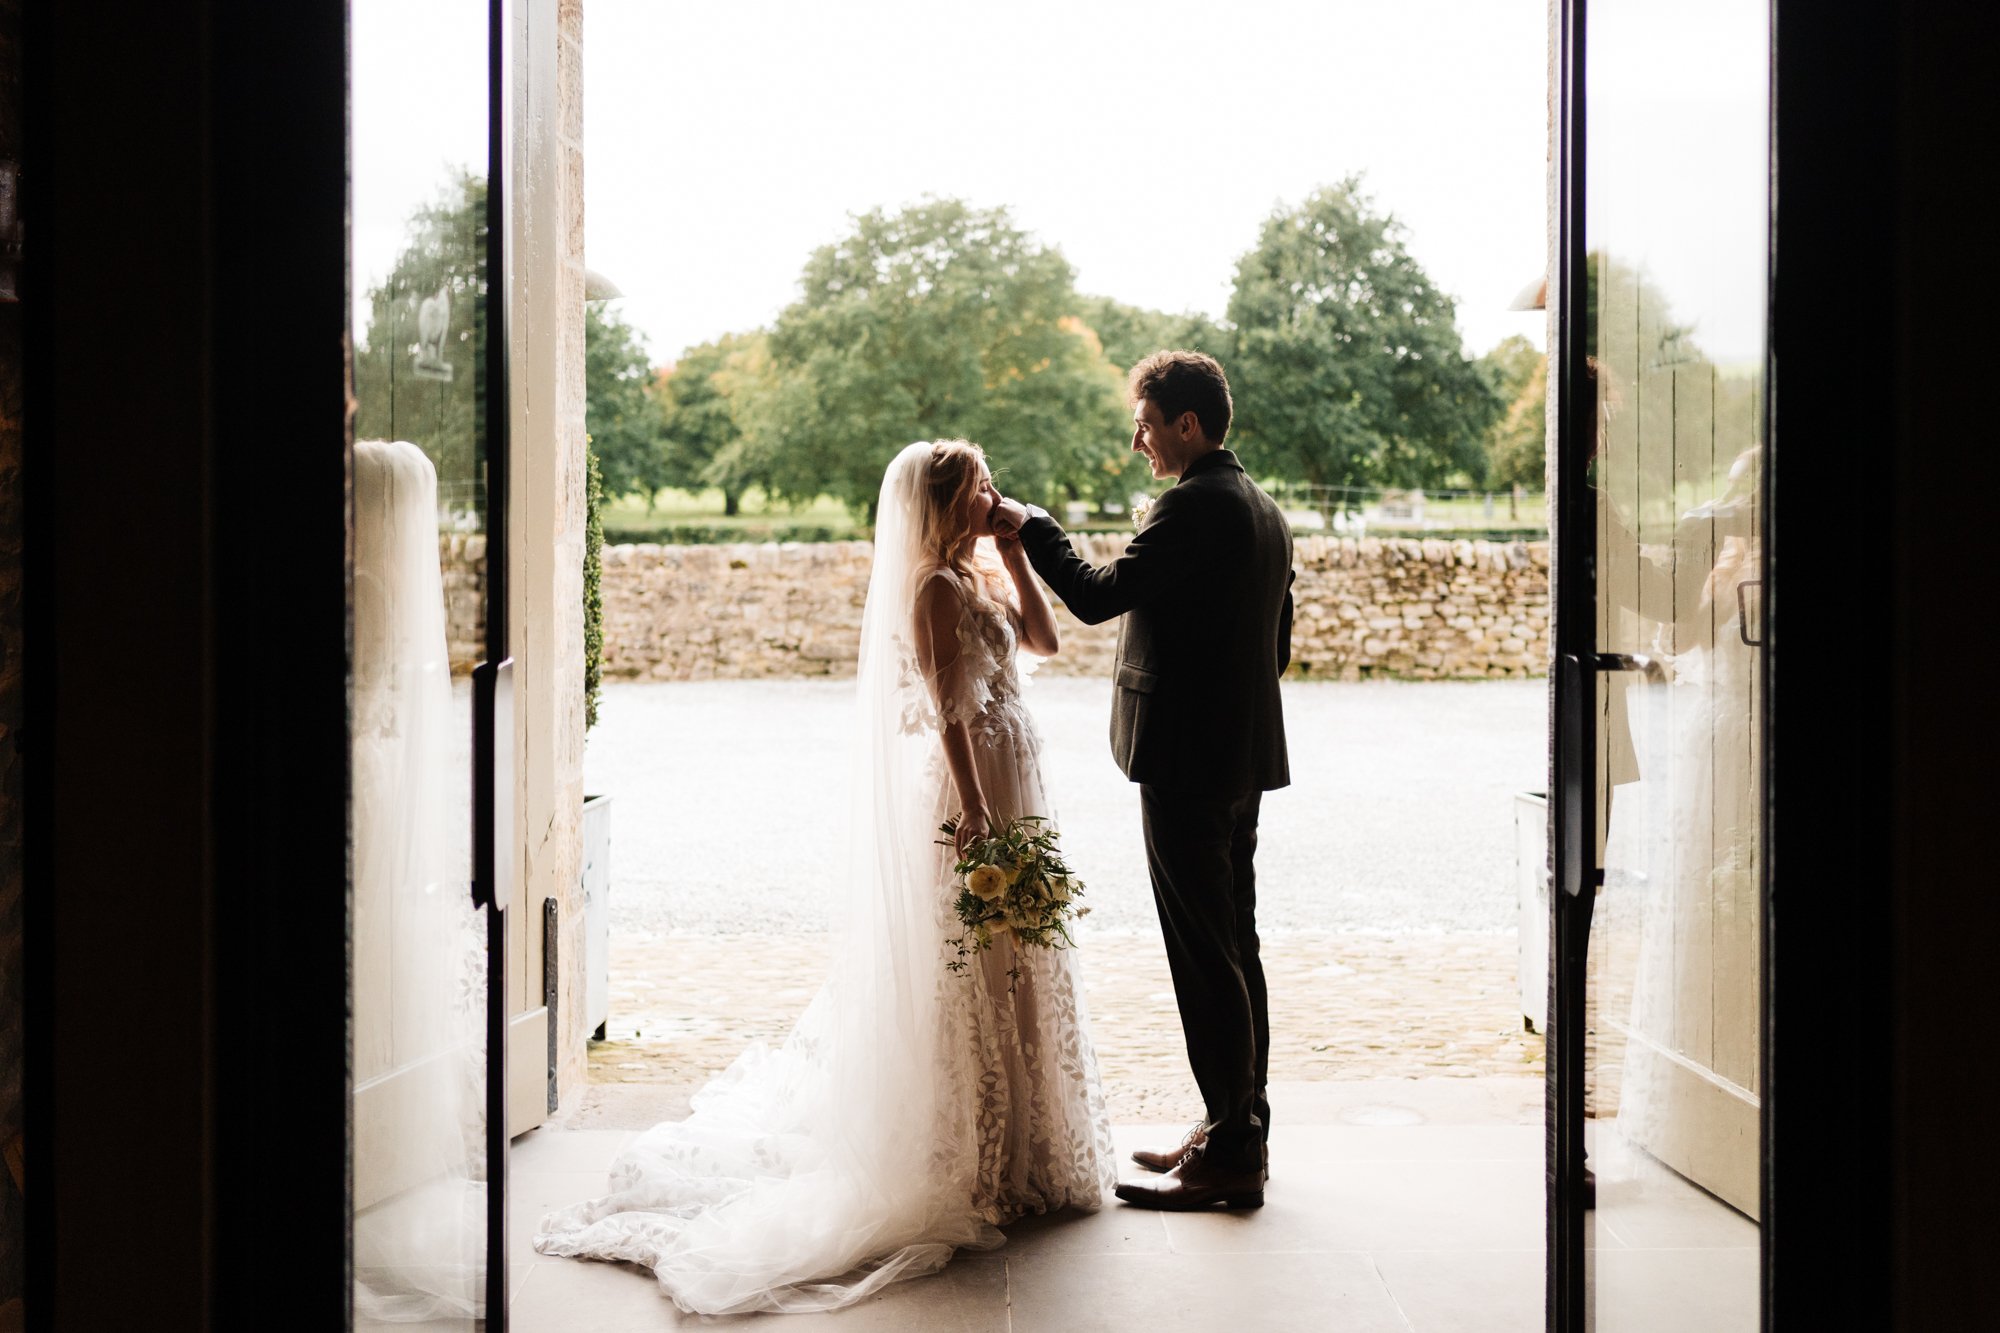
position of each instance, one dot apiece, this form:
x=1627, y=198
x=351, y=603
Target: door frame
x=185, y=185
x=1841, y=796
x=1573, y=753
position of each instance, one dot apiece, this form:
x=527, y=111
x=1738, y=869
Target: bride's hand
x=973, y=825
x=1008, y=516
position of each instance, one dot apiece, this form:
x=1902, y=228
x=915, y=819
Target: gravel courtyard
x=1385, y=885
x=729, y=800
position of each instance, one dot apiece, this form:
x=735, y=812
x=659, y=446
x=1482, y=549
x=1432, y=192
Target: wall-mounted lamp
x=597, y=287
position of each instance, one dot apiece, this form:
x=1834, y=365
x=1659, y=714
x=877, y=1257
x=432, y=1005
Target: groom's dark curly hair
x=1178, y=382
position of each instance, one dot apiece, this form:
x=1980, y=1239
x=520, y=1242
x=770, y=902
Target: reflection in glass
x=419, y=949
x=1676, y=233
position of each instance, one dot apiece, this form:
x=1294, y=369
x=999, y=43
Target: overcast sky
x=1146, y=141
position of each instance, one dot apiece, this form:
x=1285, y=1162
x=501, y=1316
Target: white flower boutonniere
x=1141, y=507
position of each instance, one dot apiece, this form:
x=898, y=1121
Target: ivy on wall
x=593, y=594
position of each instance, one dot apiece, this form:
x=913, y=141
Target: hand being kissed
x=1008, y=516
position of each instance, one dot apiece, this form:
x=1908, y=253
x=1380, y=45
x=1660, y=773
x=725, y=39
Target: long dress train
x=912, y=1110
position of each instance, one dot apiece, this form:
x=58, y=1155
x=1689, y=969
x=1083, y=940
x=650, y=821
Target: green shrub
x=593, y=591
x=723, y=534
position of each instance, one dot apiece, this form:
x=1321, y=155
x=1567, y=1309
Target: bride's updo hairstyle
x=952, y=479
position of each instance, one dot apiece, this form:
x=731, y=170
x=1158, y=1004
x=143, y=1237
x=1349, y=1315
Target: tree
x=702, y=398
x=1131, y=333
x=1348, y=368
x=1517, y=446
x=619, y=412
x=427, y=391
x=941, y=320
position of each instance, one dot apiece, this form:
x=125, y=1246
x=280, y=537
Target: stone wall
x=1395, y=607
x=463, y=556
x=548, y=607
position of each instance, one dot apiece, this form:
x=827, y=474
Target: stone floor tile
x=1378, y=1205
x=1110, y=1230
x=1270, y=1293
x=553, y=1149
x=573, y=1295
x=1648, y=1206
x=1466, y=1291
x=530, y=1196
x=969, y=1296
x=581, y=1296
x=1672, y=1291
x=1315, y=1145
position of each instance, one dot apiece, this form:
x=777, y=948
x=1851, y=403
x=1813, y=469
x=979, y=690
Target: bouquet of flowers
x=1014, y=882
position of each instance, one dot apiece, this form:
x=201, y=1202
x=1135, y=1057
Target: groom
x=1196, y=720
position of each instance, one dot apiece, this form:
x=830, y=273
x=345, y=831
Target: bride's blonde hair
x=951, y=479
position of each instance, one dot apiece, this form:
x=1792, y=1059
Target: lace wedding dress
x=912, y=1110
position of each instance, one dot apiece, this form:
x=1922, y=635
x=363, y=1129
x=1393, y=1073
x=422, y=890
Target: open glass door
x=428, y=605
x=1656, y=1109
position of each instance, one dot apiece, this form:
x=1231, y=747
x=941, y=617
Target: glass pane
x=1676, y=224
x=419, y=146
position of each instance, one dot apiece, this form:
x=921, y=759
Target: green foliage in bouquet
x=1014, y=882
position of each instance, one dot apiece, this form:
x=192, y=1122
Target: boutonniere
x=1140, y=508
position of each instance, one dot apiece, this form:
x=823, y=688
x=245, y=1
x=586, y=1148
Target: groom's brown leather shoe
x=1198, y=1183
x=1167, y=1161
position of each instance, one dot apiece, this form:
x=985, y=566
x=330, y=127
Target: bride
x=912, y=1110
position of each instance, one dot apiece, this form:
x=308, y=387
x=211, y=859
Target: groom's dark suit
x=1196, y=720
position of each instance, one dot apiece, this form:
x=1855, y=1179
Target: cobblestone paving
x=1343, y=1006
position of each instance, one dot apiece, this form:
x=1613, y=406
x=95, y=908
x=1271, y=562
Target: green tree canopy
x=619, y=412
x=704, y=397
x=1517, y=446
x=1131, y=333
x=1348, y=368
x=402, y=391
x=940, y=320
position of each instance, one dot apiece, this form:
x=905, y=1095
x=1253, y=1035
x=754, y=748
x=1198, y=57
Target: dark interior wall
x=121, y=299
x=1885, y=911
x=1946, y=469
x=12, y=700
x=186, y=302
x=183, y=313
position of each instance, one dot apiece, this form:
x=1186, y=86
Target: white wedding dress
x=912, y=1110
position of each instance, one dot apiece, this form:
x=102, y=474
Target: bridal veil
x=810, y=1176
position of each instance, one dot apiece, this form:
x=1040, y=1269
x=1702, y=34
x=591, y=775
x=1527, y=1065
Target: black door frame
x=1877, y=780
x=185, y=159
x=1572, y=781
x=184, y=188
x=187, y=1060
x=493, y=807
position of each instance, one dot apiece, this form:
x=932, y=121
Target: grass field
x=629, y=513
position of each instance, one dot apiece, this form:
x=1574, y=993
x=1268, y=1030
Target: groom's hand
x=1008, y=516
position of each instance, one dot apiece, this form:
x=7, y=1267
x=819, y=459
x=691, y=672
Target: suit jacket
x=1205, y=592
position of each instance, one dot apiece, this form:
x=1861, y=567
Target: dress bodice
x=976, y=680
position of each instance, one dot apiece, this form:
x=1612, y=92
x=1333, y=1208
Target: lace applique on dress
x=748, y=1204
x=980, y=687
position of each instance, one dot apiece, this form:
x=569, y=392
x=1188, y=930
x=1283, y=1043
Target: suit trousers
x=1201, y=849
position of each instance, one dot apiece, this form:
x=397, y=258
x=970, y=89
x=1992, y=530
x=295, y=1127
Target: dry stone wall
x=463, y=557
x=1364, y=607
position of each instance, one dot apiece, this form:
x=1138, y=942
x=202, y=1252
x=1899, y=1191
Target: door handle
x=493, y=854
x=1743, y=614
x=1645, y=665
